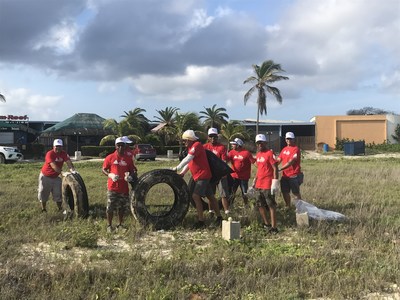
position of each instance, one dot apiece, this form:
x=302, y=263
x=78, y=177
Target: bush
x=97, y=150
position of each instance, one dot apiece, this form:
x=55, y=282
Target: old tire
x=75, y=197
x=231, y=197
x=179, y=208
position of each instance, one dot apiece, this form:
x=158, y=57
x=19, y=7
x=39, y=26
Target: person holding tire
x=220, y=151
x=119, y=168
x=266, y=183
x=49, y=177
x=196, y=161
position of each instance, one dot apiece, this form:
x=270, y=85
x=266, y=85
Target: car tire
x=231, y=197
x=179, y=208
x=75, y=197
x=2, y=159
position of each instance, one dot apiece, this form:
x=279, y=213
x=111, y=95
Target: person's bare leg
x=263, y=213
x=199, y=207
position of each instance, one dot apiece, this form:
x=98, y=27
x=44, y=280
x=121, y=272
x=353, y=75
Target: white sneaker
x=110, y=229
x=227, y=212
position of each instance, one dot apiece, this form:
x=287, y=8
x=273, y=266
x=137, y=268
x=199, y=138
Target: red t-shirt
x=288, y=153
x=265, y=172
x=199, y=166
x=118, y=165
x=241, y=163
x=218, y=149
x=54, y=157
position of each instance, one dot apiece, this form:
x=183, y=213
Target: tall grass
x=44, y=257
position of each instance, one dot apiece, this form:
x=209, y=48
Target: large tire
x=179, y=208
x=75, y=197
x=231, y=196
x=2, y=159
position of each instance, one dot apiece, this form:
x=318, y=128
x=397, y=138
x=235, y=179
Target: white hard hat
x=189, y=135
x=260, y=138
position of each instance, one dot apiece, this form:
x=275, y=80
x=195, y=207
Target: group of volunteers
x=120, y=169
x=266, y=182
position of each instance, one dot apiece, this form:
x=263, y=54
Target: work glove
x=113, y=177
x=174, y=169
x=74, y=172
x=275, y=186
x=128, y=177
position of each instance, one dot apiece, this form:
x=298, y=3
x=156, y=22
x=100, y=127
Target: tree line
x=173, y=122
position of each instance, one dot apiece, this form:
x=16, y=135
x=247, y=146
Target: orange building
x=376, y=129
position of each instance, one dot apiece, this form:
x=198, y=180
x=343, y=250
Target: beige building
x=370, y=128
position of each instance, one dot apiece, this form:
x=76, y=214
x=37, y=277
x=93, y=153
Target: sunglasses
x=120, y=145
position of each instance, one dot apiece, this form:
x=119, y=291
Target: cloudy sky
x=58, y=58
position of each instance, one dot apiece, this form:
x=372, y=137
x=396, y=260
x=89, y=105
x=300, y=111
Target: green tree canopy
x=265, y=74
x=214, y=117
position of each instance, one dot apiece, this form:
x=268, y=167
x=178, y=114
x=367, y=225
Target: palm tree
x=214, y=117
x=2, y=98
x=137, y=122
x=184, y=122
x=167, y=118
x=267, y=73
x=118, y=129
x=234, y=129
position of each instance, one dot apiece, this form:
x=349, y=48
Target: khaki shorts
x=49, y=185
x=117, y=201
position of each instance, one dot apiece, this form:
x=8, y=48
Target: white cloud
x=24, y=102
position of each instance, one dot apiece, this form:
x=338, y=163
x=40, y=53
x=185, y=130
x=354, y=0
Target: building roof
x=277, y=122
x=81, y=123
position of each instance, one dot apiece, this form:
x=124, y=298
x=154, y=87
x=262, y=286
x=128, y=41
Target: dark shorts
x=291, y=184
x=243, y=184
x=203, y=188
x=223, y=187
x=117, y=201
x=264, y=198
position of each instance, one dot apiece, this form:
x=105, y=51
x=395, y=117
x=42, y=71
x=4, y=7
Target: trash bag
x=218, y=167
x=317, y=213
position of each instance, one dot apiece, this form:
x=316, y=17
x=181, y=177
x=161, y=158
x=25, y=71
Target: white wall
x=392, y=121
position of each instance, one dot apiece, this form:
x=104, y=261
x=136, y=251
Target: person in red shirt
x=49, y=178
x=196, y=161
x=129, y=153
x=292, y=177
x=219, y=150
x=119, y=168
x=266, y=183
x=241, y=161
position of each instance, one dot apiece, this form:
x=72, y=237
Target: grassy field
x=44, y=257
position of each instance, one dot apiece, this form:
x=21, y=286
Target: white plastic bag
x=316, y=213
x=251, y=193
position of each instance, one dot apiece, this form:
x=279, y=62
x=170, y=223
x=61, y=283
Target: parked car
x=9, y=154
x=144, y=151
